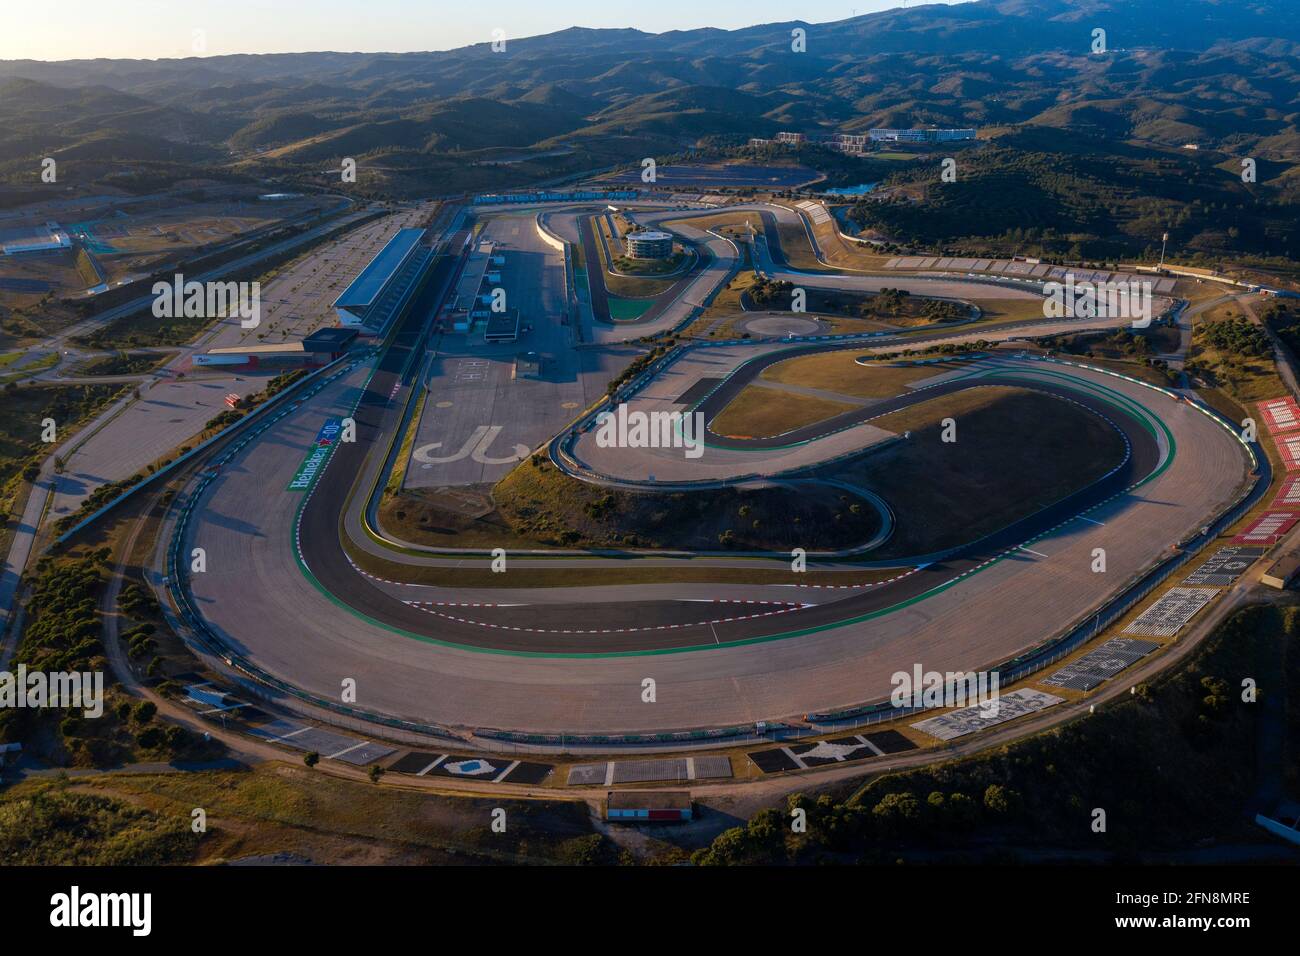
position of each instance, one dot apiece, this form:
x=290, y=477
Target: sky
x=154, y=29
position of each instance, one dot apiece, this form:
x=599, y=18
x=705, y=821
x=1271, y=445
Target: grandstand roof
x=365, y=288
x=328, y=340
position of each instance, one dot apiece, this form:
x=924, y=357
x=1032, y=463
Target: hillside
x=1223, y=74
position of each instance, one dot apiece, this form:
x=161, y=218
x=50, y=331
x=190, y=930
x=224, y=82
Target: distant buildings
x=856, y=144
x=920, y=135
x=40, y=240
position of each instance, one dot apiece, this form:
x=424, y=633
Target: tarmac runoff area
x=257, y=597
x=773, y=265
x=479, y=418
x=699, y=371
x=697, y=289
x=708, y=377
x=771, y=260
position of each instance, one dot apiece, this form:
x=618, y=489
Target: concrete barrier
x=544, y=233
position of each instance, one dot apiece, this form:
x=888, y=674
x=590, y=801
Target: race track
x=281, y=588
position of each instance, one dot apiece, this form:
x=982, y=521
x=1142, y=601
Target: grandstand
x=380, y=291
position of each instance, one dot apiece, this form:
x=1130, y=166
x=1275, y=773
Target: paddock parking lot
x=479, y=418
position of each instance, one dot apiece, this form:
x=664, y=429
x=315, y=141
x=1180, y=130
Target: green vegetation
x=1236, y=337
x=1285, y=324
x=98, y=497
x=395, y=478
x=53, y=825
x=1030, y=193
x=638, y=366
x=637, y=280
x=448, y=126
x=542, y=504
x=896, y=307
x=63, y=633
x=1174, y=766
x=649, y=267
x=25, y=409
x=628, y=310
x=287, y=807
x=1123, y=346
x=1232, y=354
x=121, y=363
x=86, y=270
x=27, y=369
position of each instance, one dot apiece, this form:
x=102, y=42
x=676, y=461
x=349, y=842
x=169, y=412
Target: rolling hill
x=1223, y=74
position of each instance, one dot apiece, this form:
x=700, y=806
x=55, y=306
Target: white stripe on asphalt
x=346, y=750
x=441, y=758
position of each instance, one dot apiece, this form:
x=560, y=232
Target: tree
x=897, y=813
x=1001, y=800
x=311, y=758
x=963, y=811
x=144, y=711
x=937, y=805
x=375, y=772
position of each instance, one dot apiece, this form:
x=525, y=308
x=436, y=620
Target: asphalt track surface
x=625, y=623
x=574, y=661
x=600, y=294
x=623, y=626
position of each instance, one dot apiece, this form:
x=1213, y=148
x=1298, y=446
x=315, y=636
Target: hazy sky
x=75, y=29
